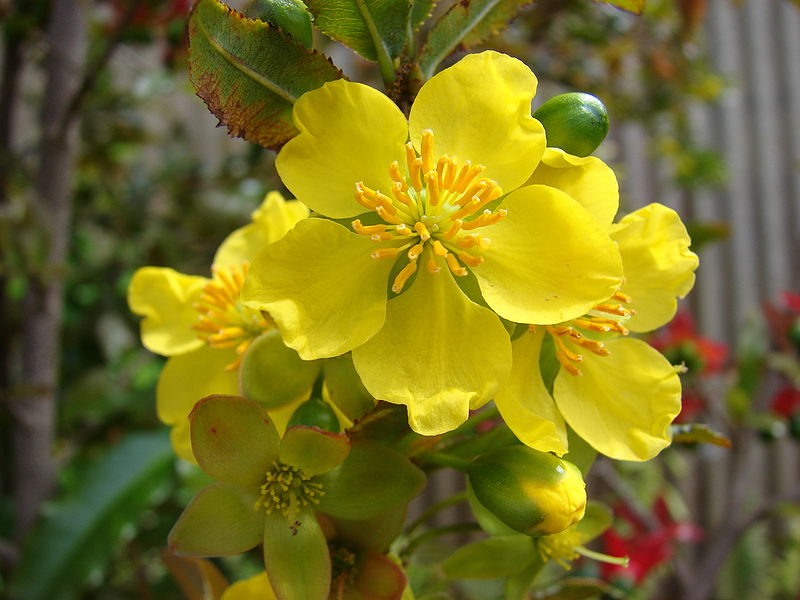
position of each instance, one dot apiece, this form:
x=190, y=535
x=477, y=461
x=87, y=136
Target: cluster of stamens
x=288, y=489
x=560, y=547
x=603, y=318
x=343, y=567
x=223, y=322
x=435, y=204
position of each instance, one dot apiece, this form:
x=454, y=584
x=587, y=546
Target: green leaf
x=373, y=28
x=296, y=556
x=375, y=533
x=220, y=521
x=313, y=450
x=596, y=520
x=290, y=15
x=233, y=439
x=78, y=531
x=273, y=374
x=465, y=25
x=580, y=454
x=634, y=6
x=420, y=11
x=698, y=433
x=249, y=73
x=499, y=556
x=371, y=481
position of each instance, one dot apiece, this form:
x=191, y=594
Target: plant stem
x=445, y=460
x=432, y=510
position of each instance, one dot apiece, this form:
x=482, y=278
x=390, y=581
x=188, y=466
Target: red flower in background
x=646, y=546
x=786, y=402
x=680, y=340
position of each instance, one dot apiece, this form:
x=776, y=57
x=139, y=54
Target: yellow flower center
x=560, y=547
x=433, y=204
x=287, y=489
x=607, y=317
x=223, y=322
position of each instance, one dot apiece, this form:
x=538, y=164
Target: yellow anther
x=622, y=297
x=469, y=259
x=449, y=175
x=594, y=325
x=593, y=346
x=468, y=241
x=367, y=229
x=454, y=229
x=467, y=209
x=432, y=181
x=422, y=230
x=362, y=199
x=397, y=176
x=531, y=329
x=415, y=171
x=474, y=190
x=385, y=252
x=399, y=193
x=386, y=202
x=441, y=165
x=415, y=252
x=384, y=214
x=455, y=267
x=402, y=277
x=614, y=309
x=426, y=152
x=467, y=174
x=439, y=249
x=432, y=266
x=382, y=236
x=404, y=229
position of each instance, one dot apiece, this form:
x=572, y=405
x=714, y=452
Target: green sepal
x=486, y=519
x=315, y=412
x=273, y=374
x=233, y=439
x=376, y=533
x=296, y=557
x=373, y=480
x=370, y=27
x=575, y=122
x=345, y=388
x=313, y=450
x=250, y=73
x=290, y=15
x=466, y=25
x=498, y=556
x=219, y=521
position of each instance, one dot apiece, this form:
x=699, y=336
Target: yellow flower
x=199, y=322
x=619, y=394
x=257, y=586
x=437, y=238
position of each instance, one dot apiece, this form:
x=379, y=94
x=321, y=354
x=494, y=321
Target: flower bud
x=531, y=491
x=315, y=412
x=575, y=122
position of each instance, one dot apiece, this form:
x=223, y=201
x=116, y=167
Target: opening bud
x=533, y=492
x=315, y=412
x=575, y=122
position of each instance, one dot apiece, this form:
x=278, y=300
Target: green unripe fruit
x=575, y=122
x=315, y=412
x=532, y=492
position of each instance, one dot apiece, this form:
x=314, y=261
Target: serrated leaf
x=698, y=433
x=420, y=11
x=465, y=25
x=370, y=27
x=290, y=15
x=249, y=73
x=78, y=531
x=634, y=6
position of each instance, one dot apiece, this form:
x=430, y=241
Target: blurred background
x=109, y=162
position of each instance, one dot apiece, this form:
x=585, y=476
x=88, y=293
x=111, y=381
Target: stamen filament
x=402, y=277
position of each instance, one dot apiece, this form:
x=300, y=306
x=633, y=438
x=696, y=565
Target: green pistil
x=288, y=489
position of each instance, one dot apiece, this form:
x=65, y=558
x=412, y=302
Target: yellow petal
x=480, y=110
x=271, y=221
x=439, y=353
x=657, y=264
x=548, y=260
x=257, y=586
x=349, y=132
x=588, y=180
x=524, y=402
x=321, y=287
x=165, y=299
x=623, y=403
x=186, y=379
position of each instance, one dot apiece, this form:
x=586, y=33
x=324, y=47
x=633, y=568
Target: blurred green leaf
x=498, y=556
x=704, y=233
x=579, y=588
x=465, y=25
x=370, y=27
x=290, y=15
x=634, y=6
x=420, y=11
x=78, y=531
x=250, y=73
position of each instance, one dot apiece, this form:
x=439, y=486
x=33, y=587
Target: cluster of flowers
x=448, y=260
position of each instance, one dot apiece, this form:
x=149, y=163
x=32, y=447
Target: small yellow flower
x=200, y=323
x=437, y=238
x=619, y=394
